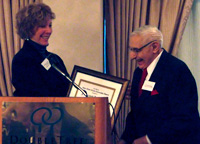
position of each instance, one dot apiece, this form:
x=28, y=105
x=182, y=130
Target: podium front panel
x=53, y=120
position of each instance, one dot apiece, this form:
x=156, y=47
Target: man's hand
x=121, y=142
x=142, y=140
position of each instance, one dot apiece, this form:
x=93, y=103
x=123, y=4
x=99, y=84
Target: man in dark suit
x=166, y=110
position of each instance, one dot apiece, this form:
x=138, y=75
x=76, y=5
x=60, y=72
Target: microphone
x=74, y=84
x=52, y=63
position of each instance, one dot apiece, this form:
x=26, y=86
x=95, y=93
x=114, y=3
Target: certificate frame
x=88, y=79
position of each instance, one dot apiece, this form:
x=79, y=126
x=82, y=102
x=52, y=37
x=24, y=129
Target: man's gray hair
x=149, y=33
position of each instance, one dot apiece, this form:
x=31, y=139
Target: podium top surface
x=54, y=99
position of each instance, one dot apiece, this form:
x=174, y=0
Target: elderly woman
x=32, y=74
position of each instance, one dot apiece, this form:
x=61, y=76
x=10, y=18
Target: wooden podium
x=50, y=112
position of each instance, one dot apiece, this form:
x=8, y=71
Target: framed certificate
x=98, y=84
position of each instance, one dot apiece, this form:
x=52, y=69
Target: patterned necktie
x=144, y=74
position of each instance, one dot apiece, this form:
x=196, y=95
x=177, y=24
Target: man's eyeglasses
x=137, y=50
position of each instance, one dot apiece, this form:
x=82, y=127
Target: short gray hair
x=149, y=33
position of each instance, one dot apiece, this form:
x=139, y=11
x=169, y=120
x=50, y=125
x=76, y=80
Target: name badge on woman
x=46, y=64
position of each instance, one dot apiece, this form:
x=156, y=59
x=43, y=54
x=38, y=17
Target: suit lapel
x=157, y=75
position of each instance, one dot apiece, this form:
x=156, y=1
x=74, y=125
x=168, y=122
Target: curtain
x=122, y=17
x=189, y=50
x=10, y=43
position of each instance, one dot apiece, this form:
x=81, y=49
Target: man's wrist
x=121, y=142
x=148, y=140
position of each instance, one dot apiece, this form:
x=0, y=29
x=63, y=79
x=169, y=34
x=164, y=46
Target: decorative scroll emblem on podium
x=46, y=117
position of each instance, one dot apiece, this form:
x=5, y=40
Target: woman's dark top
x=30, y=78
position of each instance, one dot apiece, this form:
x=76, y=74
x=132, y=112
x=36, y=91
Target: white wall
x=78, y=32
x=189, y=50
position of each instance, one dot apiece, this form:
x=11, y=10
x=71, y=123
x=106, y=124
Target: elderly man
x=163, y=95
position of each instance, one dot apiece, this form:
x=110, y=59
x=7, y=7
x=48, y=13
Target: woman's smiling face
x=43, y=33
